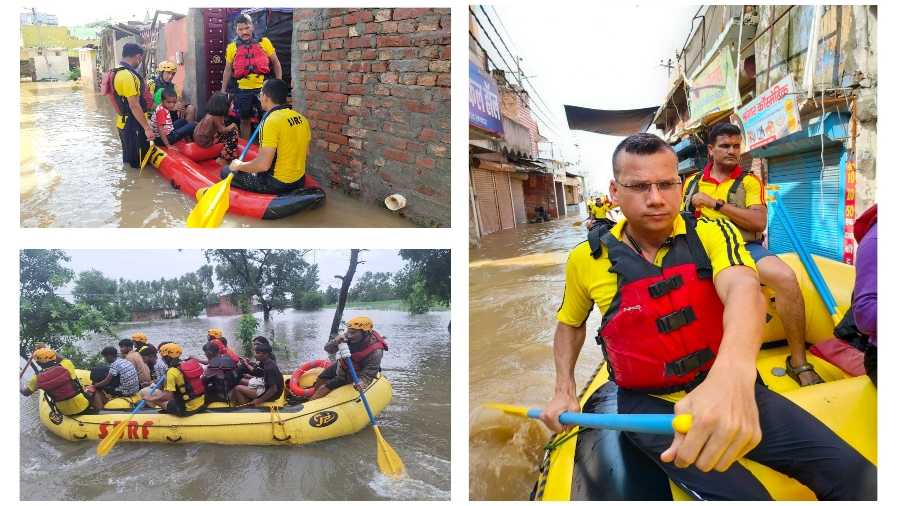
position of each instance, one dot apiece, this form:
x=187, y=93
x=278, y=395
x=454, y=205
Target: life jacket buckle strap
x=689, y=363
x=665, y=286
x=676, y=320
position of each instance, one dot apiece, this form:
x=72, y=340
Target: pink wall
x=175, y=33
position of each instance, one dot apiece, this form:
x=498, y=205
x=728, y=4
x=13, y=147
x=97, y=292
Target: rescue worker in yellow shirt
x=183, y=391
x=726, y=190
x=133, y=100
x=682, y=326
x=280, y=164
x=58, y=380
x=249, y=61
x=599, y=213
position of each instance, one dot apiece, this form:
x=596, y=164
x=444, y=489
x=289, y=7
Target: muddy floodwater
x=72, y=174
x=416, y=424
x=516, y=281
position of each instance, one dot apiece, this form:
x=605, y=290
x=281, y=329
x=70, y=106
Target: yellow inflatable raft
x=601, y=465
x=338, y=414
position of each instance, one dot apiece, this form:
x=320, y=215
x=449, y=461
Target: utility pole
x=667, y=64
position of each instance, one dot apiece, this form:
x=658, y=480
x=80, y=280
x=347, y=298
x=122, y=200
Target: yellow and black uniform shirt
x=719, y=190
x=288, y=132
x=71, y=406
x=250, y=81
x=175, y=383
x=126, y=85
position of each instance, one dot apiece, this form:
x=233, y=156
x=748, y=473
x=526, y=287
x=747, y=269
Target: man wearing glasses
x=724, y=190
x=682, y=325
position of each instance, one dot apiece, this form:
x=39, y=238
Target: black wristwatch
x=719, y=204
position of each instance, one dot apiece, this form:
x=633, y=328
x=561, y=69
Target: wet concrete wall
x=174, y=33
x=375, y=85
x=846, y=58
x=194, y=84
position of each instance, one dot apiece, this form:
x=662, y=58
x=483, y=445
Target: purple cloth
x=865, y=293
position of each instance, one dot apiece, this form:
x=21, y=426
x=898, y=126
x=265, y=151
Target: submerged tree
x=346, y=281
x=269, y=275
x=432, y=267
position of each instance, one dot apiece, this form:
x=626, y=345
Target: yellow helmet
x=217, y=333
x=170, y=350
x=139, y=337
x=166, y=66
x=360, y=323
x=44, y=355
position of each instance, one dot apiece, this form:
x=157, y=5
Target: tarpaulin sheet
x=619, y=123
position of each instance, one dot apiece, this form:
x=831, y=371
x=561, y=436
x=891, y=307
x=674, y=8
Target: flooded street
x=72, y=174
x=516, y=281
x=416, y=424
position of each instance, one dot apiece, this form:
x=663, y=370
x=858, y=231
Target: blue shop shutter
x=813, y=199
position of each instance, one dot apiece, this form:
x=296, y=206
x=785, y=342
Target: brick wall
x=375, y=85
x=540, y=190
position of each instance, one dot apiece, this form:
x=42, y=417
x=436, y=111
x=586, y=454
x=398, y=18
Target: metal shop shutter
x=504, y=200
x=486, y=200
x=519, y=200
x=813, y=199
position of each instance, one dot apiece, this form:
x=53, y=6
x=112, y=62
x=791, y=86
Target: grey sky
x=603, y=56
x=154, y=264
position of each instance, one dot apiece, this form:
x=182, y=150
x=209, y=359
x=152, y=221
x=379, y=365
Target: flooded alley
x=516, y=283
x=72, y=174
x=416, y=423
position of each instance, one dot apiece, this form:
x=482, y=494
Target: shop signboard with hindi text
x=484, y=101
x=773, y=115
x=713, y=88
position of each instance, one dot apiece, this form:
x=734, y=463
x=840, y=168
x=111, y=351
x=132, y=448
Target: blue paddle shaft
x=152, y=389
x=252, y=137
x=647, y=424
x=362, y=395
x=805, y=258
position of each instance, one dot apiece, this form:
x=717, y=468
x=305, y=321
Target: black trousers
x=262, y=182
x=793, y=442
x=134, y=142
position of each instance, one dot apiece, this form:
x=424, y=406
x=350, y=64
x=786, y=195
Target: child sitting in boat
x=163, y=127
x=212, y=128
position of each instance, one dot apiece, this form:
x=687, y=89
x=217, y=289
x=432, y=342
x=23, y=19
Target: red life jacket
x=376, y=342
x=663, y=327
x=249, y=59
x=193, y=379
x=56, y=383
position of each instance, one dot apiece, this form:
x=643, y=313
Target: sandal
x=794, y=372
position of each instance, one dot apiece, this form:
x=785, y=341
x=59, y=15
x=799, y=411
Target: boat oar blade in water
x=110, y=440
x=644, y=423
x=388, y=461
x=211, y=206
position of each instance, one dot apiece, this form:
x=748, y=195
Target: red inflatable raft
x=189, y=167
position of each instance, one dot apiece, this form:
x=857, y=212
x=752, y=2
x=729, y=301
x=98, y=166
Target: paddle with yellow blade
x=145, y=158
x=388, y=461
x=110, y=440
x=212, y=202
x=643, y=423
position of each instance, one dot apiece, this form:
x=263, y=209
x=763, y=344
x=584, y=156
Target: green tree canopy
x=270, y=275
x=44, y=316
x=432, y=267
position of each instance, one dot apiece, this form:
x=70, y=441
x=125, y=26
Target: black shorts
x=247, y=103
x=331, y=377
x=262, y=182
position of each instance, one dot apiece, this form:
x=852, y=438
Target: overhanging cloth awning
x=619, y=123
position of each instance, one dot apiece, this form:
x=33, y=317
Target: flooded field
x=416, y=424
